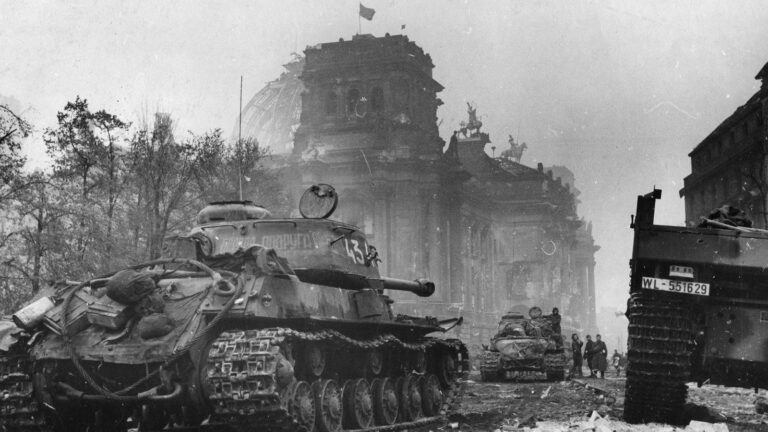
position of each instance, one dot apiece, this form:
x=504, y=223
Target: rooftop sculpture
x=471, y=127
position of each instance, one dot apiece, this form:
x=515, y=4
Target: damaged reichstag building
x=493, y=234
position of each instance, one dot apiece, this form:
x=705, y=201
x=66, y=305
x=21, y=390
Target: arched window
x=353, y=97
x=377, y=99
x=331, y=103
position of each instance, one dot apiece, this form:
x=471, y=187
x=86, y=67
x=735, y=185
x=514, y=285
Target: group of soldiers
x=596, y=354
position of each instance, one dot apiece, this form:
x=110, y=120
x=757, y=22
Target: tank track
x=659, y=359
x=19, y=410
x=251, y=396
x=555, y=363
x=555, y=360
x=489, y=365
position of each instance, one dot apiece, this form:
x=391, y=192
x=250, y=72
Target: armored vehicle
x=252, y=323
x=698, y=310
x=525, y=348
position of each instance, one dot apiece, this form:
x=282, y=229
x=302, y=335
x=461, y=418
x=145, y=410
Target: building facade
x=273, y=114
x=730, y=166
x=492, y=233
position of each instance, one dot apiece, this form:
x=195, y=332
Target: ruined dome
x=272, y=114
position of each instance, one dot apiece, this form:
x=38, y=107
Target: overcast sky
x=619, y=91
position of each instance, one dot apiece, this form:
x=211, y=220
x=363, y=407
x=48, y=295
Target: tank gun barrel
x=349, y=281
x=420, y=287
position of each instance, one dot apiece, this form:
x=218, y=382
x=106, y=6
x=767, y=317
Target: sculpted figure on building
x=472, y=126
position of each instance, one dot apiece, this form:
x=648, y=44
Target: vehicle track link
x=245, y=368
x=19, y=410
x=660, y=346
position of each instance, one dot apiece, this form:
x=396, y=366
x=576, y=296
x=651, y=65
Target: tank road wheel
x=315, y=360
x=398, y=383
x=446, y=368
x=328, y=405
x=385, y=403
x=358, y=406
x=659, y=359
x=302, y=405
x=431, y=395
x=409, y=394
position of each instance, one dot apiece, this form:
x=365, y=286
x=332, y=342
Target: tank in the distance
x=250, y=323
x=525, y=348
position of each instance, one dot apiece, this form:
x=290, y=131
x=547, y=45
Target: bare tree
x=111, y=176
x=243, y=165
x=87, y=146
x=37, y=212
x=164, y=171
x=13, y=129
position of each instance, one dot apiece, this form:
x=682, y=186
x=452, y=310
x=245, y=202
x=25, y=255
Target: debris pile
x=598, y=423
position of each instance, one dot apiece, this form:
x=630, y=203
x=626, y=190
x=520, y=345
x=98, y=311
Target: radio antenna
x=240, y=142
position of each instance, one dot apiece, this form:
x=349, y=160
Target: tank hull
x=522, y=359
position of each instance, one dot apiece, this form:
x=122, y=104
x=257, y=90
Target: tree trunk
x=156, y=232
x=37, y=259
x=82, y=233
x=110, y=204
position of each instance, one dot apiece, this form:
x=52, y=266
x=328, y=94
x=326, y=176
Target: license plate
x=676, y=286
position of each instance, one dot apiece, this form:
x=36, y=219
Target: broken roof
x=471, y=155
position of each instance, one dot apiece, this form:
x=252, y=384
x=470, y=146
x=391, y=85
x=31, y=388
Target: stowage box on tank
x=250, y=323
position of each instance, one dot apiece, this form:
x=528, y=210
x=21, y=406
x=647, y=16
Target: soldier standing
x=600, y=356
x=554, y=321
x=576, y=345
x=588, y=354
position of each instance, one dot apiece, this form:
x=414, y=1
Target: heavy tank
x=525, y=348
x=250, y=323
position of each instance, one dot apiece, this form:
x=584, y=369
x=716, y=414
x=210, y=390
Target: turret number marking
x=676, y=286
x=355, y=251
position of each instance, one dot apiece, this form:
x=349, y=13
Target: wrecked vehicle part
x=698, y=311
x=261, y=322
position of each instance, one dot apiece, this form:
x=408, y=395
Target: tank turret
x=222, y=211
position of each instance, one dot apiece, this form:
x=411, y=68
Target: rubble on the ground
x=598, y=423
x=739, y=405
x=596, y=405
x=761, y=405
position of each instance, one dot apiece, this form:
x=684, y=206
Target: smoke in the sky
x=619, y=91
